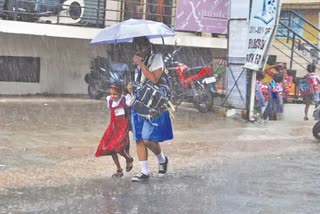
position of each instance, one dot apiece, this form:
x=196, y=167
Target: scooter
x=196, y=85
x=316, y=126
x=102, y=74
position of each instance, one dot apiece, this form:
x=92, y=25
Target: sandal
x=129, y=164
x=306, y=118
x=118, y=174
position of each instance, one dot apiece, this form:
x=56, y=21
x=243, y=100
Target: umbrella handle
x=162, y=44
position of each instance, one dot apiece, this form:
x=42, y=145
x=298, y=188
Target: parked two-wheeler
x=23, y=10
x=102, y=74
x=316, y=126
x=196, y=85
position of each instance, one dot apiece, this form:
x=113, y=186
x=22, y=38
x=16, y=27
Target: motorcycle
x=102, y=74
x=196, y=85
x=28, y=10
x=23, y=10
x=316, y=126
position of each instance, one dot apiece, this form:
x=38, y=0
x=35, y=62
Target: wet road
x=217, y=165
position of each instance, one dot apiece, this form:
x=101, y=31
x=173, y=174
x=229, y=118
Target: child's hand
x=137, y=60
x=281, y=105
x=130, y=88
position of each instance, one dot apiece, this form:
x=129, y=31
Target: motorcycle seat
x=192, y=71
x=105, y=78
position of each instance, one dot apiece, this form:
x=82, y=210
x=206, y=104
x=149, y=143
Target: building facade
x=47, y=51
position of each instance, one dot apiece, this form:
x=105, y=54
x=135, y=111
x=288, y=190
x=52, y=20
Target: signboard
x=236, y=75
x=237, y=42
x=261, y=29
x=239, y=9
x=203, y=16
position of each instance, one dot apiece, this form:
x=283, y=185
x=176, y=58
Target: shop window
x=19, y=69
x=156, y=10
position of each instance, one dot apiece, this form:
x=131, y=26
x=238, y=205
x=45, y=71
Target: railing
x=294, y=47
x=157, y=10
x=91, y=13
x=297, y=43
x=293, y=35
x=293, y=14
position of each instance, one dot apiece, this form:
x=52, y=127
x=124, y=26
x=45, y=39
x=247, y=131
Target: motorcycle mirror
x=177, y=50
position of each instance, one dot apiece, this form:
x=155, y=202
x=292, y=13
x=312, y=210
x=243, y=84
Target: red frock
x=116, y=136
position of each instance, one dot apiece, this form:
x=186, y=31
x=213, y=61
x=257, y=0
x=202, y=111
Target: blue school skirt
x=158, y=129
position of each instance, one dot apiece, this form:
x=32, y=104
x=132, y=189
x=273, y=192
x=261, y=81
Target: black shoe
x=163, y=166
x=139, y=178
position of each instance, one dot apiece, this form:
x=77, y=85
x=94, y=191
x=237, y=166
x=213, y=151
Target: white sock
x=161, y=158
x=144, y=167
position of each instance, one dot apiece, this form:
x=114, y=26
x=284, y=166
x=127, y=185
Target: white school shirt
x=116, y=103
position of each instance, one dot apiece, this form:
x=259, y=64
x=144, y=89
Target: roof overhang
x=294, y=5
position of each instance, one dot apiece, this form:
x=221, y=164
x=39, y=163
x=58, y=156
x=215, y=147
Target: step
x=303, y=61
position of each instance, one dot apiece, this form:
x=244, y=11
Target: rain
x=47, y=163
x=50, y=127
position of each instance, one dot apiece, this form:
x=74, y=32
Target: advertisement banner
x=203, y=16
x=263, y=20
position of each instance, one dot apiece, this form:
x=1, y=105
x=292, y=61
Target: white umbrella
x=127, y=30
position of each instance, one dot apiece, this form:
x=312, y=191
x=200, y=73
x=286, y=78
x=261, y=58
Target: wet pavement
x=216, y=164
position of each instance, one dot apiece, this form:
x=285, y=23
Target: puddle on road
x=216, y=165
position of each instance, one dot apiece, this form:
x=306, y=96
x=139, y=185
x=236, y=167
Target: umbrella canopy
x=127, y=30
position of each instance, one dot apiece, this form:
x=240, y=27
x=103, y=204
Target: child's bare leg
x=127, y=148
x=306, y=109
x=129, y=159
x=116, y=160
x=162, y=159
x=153, y=146
x=119, y=169
x=124, y=154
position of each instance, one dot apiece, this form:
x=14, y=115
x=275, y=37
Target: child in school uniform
x=260, y=101
x=115, y=139
x=276, y=96
x=313, y=97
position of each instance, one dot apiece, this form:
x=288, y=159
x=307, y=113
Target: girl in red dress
x=115, y=139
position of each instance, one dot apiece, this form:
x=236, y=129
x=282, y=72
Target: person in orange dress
x=115, y=139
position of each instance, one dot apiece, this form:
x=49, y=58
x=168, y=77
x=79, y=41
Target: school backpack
x=307, y=85
x=151, y=100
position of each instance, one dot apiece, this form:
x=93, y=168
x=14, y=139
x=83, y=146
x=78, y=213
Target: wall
x=65, y=54
x=310, y=33
x=64, y=62
x=299, y=1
